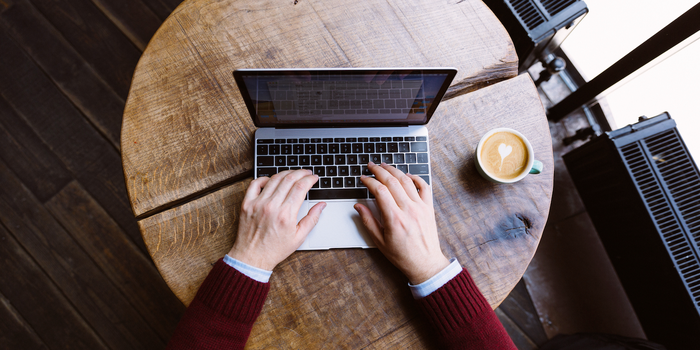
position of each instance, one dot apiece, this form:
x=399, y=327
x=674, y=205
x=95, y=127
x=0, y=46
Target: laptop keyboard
x=339, y=162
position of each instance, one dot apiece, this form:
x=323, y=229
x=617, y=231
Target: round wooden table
x=187, y=155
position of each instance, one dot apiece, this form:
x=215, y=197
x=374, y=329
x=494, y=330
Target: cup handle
x=536, y=167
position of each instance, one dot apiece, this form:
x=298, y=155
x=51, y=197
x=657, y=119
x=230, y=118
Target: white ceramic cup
x=533, y=166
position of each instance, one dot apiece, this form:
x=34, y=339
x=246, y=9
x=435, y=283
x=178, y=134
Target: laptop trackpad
x=339, y=226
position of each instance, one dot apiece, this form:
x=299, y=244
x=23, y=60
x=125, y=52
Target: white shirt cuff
x=434, y=283
x=253, y=272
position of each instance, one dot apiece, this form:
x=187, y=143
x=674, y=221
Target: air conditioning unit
x=641, y=189
x=537, y=27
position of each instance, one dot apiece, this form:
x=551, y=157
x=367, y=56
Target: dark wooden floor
x=75, y=272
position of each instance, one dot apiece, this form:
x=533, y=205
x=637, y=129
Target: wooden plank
x=133, y=17
x=186, y=128
x=15, y=332
x=120, y=260
x=86, y=154
x=94, y=37
x=67, y=69
x=520, y=310
x=519, y=337
x=30, y=158
x=92, y=294
x=39, y=302
x=493, y=230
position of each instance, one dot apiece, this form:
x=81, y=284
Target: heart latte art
x=504, y=155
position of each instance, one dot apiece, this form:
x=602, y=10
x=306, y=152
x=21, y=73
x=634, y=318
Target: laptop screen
x=342, y=97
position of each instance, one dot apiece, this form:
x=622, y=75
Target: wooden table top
x=188, y=158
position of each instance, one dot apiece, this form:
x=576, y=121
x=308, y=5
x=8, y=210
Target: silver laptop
x=335, y=121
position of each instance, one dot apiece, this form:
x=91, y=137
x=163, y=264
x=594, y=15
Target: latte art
x=504, y=155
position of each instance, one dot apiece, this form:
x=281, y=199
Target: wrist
x=255, y=260
x=429, y=270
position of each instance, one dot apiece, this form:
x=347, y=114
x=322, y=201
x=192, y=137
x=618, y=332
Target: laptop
x=333, y=122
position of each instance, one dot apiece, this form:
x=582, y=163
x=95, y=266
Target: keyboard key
x=267, y=172
x=345, y=148
x=422, y=158
x=322, y=149
x=398, y=158
x=304, y=160
x=369, y=148
x=266, y=141
x=392, y=147
x=409, y=138
x=328, y=160
x=343, y=170
x=380, y=147
x=292, y=160
x=316, y=160
x=280, y=160
x=327, y=139
x=364, y=158
x=349, y=181
x=317, y=184
x=410, y=157
x=376, y=159
x=339, y=159
x=421, y=138
x=274, y=149
x=320, y=171
x=339, y=139
x=334, y=148
x=365, y=171
x=352, y=159
x=266, y=161
x=418, y=169
x=355, y=170
x=362, y=139
x=359, y=183
x=294, y=168
x=385, y=139
x=426, y=178
x=303, y=140
x=419, y=147
x=387, y=158
x=262, y=150
x=315, y=140
x=325, y=183
x=404, y=147
x=356, y=148
x=399, y=138
x=338, y=182
x=331, y=171
x=346, y=193
x=298, y=149
x=351, y=139
x=279, y=140
x=292, y=140
x=286, y=149
x=308, y=168
x=374, y=139
x=310, y=149
x=281, y=169
x=402, y=167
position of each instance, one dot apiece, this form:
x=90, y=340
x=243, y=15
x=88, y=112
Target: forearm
x=462, y=316
x=222, y=313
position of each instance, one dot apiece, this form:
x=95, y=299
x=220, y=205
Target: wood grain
x=355, y=298
x=185, y=127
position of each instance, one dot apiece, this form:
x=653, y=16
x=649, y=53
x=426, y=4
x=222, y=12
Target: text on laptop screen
x=347, y=97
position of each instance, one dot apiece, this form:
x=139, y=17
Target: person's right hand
x=409, y=237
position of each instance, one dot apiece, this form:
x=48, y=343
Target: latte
x=504, y=155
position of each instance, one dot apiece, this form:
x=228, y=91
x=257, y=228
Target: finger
x=392, y=183
x=385, y=200
x=299, y=189
x=308, y=222
x=424, y=189
x=373, y=226
x=285, y=183
x=405, y=180
x=254, y=188
x=271, y=185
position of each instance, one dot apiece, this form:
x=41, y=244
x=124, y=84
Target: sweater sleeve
x=463, y=318
x=222, y=313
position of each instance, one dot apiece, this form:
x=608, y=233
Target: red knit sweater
x=222, y=313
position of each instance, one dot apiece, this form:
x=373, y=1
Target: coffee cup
x=505, y=156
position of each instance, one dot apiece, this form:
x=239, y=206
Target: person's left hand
x=267, y=229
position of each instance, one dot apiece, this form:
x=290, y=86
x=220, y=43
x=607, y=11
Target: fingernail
x=383, y=164
x=371, y=163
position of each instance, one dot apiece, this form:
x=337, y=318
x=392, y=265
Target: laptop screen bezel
x=238, y=77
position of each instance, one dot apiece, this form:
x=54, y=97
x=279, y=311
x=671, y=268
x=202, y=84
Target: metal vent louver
x=676, y=211
x=528, y=13
x=555, y=6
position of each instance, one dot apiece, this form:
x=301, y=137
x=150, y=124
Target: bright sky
x=613, y=28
